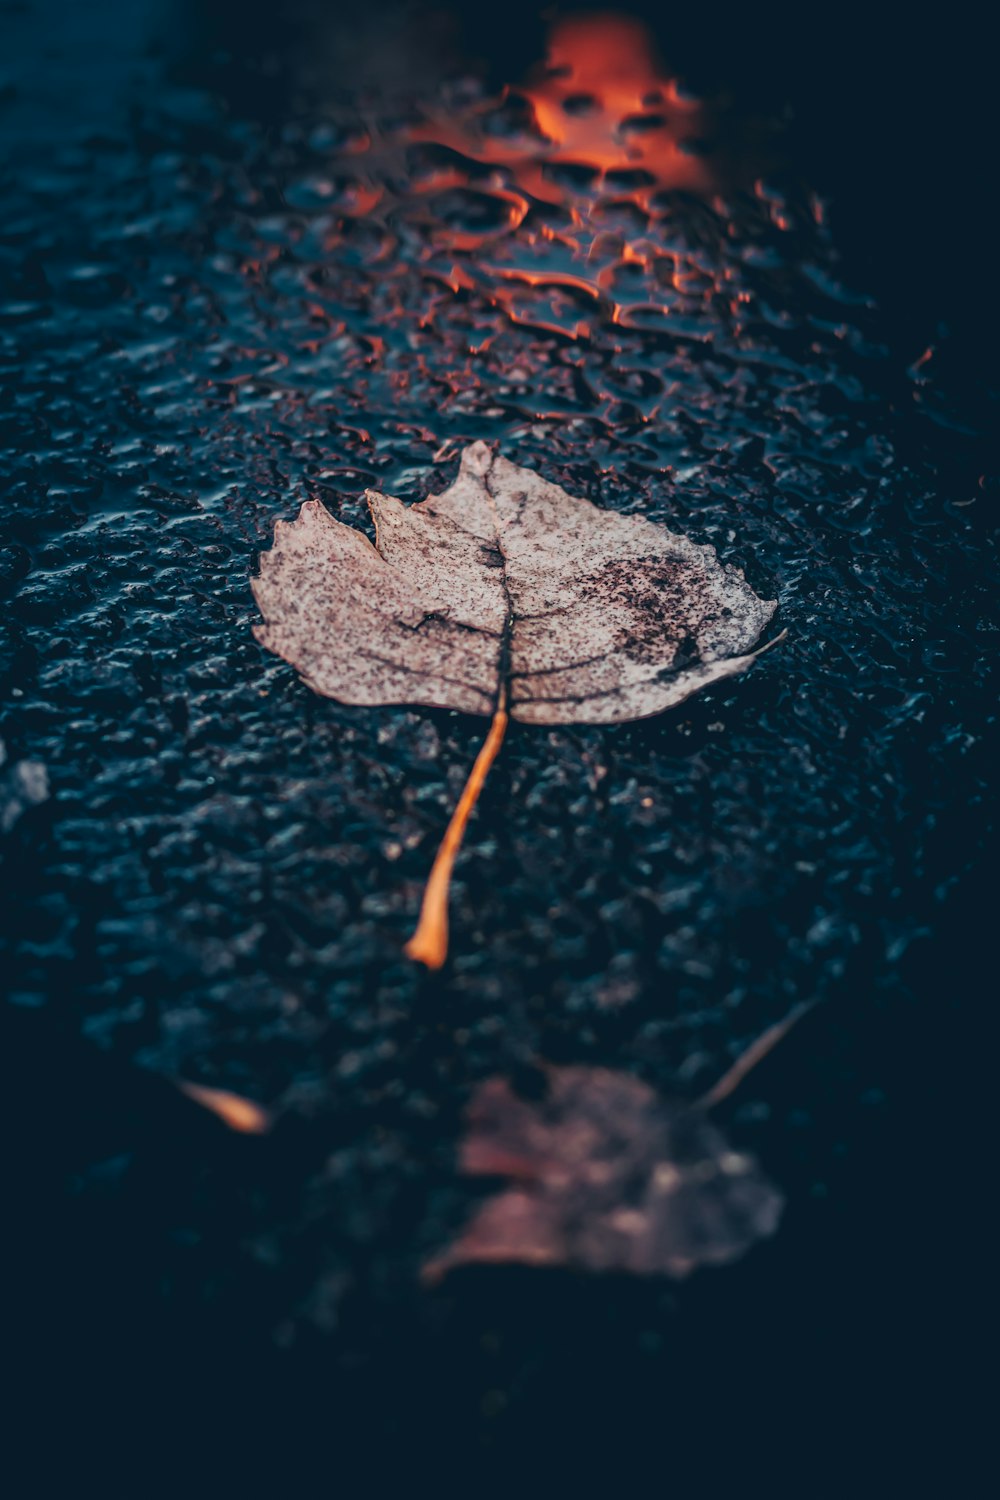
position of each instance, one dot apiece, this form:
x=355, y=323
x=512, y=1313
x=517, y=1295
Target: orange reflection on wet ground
x=239, y=1114
x=606, y=103
x=553, y=205
x=602, y=104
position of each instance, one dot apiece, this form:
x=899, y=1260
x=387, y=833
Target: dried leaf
x=587, y=615
x=506, y=596
x=607, y=1177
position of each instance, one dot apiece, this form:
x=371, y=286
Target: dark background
x=211, y=890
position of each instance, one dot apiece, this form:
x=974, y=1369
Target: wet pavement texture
x=241, y=267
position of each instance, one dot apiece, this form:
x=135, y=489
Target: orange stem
x=429, y=944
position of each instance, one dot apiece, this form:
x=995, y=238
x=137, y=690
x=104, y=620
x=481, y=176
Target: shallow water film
x=248, y=260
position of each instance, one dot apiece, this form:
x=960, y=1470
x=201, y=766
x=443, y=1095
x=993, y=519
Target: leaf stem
x=429, y=944
x=755, y=1053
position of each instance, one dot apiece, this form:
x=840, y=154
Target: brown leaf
x=588, y=616
x=607, y=1176
x=506, y=596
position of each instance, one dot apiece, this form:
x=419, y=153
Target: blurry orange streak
x=627, y=316
x=546, y=232
x=540, y=325
x=238, y=1113
x=503, y=297
x=459, y=280
x=439, y=182
x=617, y=312
x=546, y=279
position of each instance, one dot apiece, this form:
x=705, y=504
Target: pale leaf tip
x=477, y=459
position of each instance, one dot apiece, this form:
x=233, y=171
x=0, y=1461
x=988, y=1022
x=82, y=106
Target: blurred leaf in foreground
x=607, y=1175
